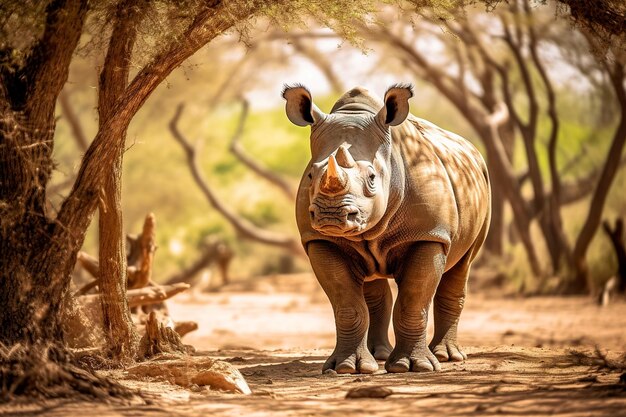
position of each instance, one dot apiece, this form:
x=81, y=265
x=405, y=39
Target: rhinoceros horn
x=344, y=159
x=335, y=179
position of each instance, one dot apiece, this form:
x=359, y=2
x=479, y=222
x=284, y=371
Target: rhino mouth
x=344, y=220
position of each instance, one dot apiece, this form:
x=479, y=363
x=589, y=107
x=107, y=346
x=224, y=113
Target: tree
x=504, y=91
x=39, y=250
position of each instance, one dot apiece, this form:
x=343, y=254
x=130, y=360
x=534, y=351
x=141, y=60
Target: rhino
x=387, y=195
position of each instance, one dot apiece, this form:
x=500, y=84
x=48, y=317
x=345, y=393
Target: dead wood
x=213, y=251
x=139, y=259
x=245, y=228
x=89, y=263
x=184, y=327
x=198, y=370
x=147, y=246
x=154, y=294
x=144, y=296
x=159, y=339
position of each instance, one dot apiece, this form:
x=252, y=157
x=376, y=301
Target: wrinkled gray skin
x=389, y=196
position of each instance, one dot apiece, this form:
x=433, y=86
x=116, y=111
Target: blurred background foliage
x=211, y=84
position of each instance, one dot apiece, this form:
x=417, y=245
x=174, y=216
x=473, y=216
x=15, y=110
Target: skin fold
x=389, y=196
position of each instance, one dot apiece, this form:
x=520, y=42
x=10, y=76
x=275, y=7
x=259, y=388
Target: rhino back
x=447, y=195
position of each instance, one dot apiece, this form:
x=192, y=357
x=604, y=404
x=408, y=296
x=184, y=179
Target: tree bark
x=30, y=296
x=118, y=326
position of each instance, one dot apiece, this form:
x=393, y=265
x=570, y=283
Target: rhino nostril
x=352, y=215
x=312, y=213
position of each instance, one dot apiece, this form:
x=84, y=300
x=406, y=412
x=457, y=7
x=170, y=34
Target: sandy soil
x=524, y=359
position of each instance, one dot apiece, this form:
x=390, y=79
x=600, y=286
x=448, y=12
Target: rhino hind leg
x=418, y=277
x=448, y=305
x=379, y=303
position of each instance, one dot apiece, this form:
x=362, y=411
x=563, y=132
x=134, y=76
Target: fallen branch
x=143, y=296
x=139, y=259
x=184, y=327
x=214, y=251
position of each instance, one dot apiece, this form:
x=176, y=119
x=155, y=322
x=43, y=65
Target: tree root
x=50, y=371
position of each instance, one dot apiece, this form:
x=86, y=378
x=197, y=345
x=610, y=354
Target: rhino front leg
x=419, y=276
x=344, y=288
x=379, y=302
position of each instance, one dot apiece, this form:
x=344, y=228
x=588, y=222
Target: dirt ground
x=530, y=356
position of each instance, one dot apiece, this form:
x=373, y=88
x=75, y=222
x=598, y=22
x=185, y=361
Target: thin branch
x=528, y=129
x=242, y=226
x=321, y=61
x=216, y=251
x=555, y=177
x=237, y=149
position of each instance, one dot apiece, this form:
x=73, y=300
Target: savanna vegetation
x=111, y=110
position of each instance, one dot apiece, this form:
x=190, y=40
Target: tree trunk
x=494, y=243
x=34, y=265
x=495, y=238
x=619, y=245
x=118, y=326
x=580, y=283
x=37, y=254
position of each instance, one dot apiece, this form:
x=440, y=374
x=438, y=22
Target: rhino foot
x=381, y=351
x=357, y=362
x=448, y=350
x=419, y=360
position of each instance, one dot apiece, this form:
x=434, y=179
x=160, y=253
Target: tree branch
x=211, y=252
x=609, y=170
x=237, y=149
x=320, y=61
x=78, y=208
x=243, y=227
x=528, y=129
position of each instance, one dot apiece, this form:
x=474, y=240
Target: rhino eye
x=310, y=176
x=370, y=186
x=371, y=174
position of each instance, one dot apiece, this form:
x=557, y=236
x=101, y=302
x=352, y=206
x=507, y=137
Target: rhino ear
x=300, y=108
x=396, y=108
